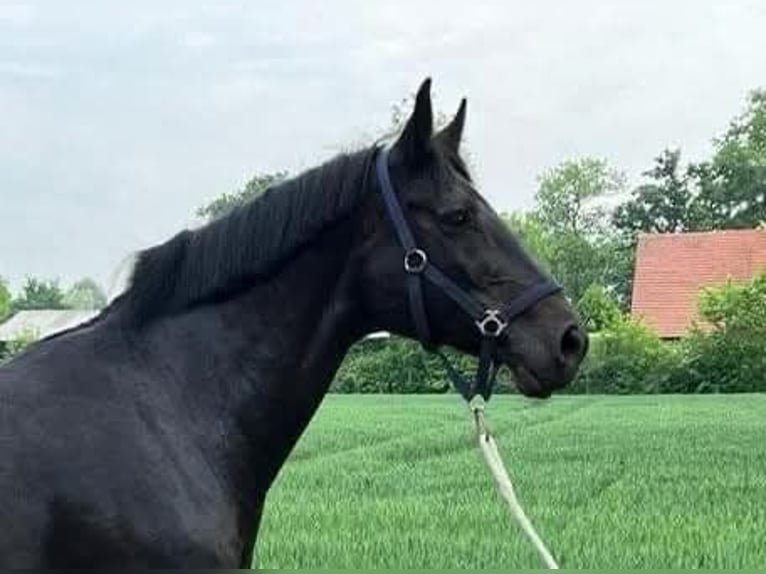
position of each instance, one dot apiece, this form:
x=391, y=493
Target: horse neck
x=301, y=326
x=264, y=359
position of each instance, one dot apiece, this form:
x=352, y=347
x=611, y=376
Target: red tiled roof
x=671, y=269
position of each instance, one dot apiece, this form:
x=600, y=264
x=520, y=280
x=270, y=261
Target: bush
x=626, y=357
x=385, y=366
x=17, y=345
x=5, y=300
x=598, y=309
x=728, y=354
x=398, y=365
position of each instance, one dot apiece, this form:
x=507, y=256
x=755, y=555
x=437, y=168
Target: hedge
x=725, y=353
x=397, y=365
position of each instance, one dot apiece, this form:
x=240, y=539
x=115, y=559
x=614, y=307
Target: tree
x=576, y=261
x=534, y=236
x=737, y=307
x=5, y=300
x=580, y=261
x=729, y=357
x=225, y=202
x=727, y=191
x=568, y=195
x=733, y=183
x=567, y=232
x=17, y=344
x=667, y=204
x=39, y=294
x=85, y=294
x=598, y=309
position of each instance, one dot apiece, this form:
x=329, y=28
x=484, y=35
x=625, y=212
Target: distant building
x=42, y=323
x=672, y=269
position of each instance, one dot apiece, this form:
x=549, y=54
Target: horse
x=150, y=435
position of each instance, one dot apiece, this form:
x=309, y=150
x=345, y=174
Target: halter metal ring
x=491, y=324
x=415, y=261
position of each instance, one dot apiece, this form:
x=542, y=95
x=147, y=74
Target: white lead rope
x=504, y=485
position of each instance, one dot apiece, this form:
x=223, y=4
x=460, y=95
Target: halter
x=492, y=323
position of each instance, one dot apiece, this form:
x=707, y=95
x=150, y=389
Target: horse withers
x=149, y=437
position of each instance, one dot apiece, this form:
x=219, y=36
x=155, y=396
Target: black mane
x=228, y=253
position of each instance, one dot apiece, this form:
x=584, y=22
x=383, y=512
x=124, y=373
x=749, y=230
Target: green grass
x=610, y=482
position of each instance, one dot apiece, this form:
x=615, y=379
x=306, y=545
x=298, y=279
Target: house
x=41, y=323
x=672, y=269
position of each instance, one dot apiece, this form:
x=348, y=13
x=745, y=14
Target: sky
x=119, y=119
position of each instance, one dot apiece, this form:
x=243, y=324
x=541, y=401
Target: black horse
x=149, y=437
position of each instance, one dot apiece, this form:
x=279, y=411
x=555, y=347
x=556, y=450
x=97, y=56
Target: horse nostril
x=574, y=343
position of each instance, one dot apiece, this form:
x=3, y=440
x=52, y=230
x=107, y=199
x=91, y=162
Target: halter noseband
x=491, y=323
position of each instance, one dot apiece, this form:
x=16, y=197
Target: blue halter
x=491, y=323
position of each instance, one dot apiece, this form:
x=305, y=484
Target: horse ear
x=415, y=141
x=452, y=134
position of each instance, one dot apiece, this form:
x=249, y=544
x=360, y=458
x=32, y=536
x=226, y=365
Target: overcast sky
x=118, y=119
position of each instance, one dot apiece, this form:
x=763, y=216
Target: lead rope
x=503, y=482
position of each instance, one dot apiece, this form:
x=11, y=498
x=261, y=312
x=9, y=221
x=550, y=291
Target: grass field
x=610, y=482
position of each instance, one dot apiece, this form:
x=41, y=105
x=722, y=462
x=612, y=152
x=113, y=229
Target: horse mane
x=247, y=243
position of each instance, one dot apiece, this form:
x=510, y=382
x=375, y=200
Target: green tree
x=225, y=202
x=566, y=230
x=667, y=204
x=727, y=191
x=733, y=183
x=5, y=299
x=39, y=294
x=570, y=196
x=728, y=356
x=579, y=262
x=16, y=345
x=85, y=294
x=576, y=261
x=598, y=308
x=737, y=307
x=535, y=237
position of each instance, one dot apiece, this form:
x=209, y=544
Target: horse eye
x=456, y=217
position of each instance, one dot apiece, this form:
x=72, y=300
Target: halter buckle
x=491, y=324
x=415, y=261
